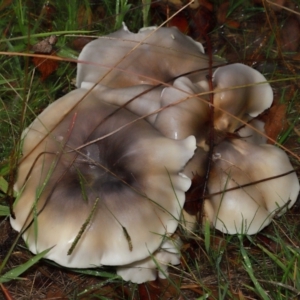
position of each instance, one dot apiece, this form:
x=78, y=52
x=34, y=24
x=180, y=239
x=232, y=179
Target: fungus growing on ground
x=120, y=183
x=240, y=94
x=124, y=190
x=244, y=93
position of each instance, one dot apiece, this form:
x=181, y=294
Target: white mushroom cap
x=146, y=269
x=164, y=53
x=188, y=117
x=248, y=209
x=251, y=100
x=131, y=178
x=253, y=136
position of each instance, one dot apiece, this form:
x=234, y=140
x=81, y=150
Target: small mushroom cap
x=250, y=135
x=146, y=269
x=128, y=183
x=248, y=209
x=251, y=100
x=180, y=120
x=163, y=54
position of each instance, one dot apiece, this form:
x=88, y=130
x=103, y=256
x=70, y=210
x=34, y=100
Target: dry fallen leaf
x=222, y=12
x=180, y=22
x=56, y=293
x=45, y=66
x=159, y=289
x=4, y=4
x=193, y=195
x=80, y=42
x=290, y=37
x=276, y=121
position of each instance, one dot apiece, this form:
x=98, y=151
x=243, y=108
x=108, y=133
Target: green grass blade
x=96, y=273
x=207, y=236
x=4, y=210
x=83, y=227
x=249, y=269
x=3, y=184
x=273, y=257
x=97, y=286
x=14, y=273
x=47, y=34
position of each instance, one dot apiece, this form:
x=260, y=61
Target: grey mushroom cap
x=127, y=183
x=185, y=112
x=241, y=91
x=251, y=208
x=152, y=55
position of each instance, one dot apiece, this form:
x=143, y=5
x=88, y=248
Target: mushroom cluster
x=105, y=168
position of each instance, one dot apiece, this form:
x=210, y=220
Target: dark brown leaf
x=80, y=42
x=161, y=289
x=56, y=293
x=193, y=195
x=290, y=34
x=4, y=4
x=45, y=66
x=148, y=291
x=233, y=23
x=222, y=12
x=203, y=22
x=180, y=22
x=276, y=121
